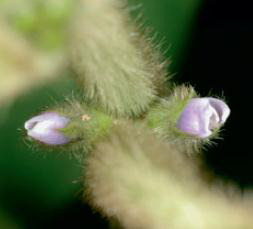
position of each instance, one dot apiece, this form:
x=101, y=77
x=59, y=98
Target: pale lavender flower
x=45, y=128
x=202, y=115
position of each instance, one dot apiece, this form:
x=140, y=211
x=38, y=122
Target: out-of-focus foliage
x=32, y=41
x=41, y=22
x=7, y=223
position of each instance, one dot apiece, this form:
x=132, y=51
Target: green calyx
x=164, y=115
x=87, y=126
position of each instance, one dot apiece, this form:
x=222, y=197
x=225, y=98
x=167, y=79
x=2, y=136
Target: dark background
x=214, y=54
x=219, y=59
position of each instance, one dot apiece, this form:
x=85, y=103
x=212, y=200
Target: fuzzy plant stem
x=147, y=184
x=114, y=62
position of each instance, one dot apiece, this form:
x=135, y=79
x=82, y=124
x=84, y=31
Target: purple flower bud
x=44, y=128
x=202, y=115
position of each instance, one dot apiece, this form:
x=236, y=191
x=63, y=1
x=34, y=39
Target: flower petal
x=202, y=115
x=44, y=128
x=221, y=107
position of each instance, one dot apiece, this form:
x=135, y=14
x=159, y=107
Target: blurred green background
x=43, y=190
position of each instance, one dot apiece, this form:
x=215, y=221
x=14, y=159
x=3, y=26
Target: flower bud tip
x=202, y=115
x=45, y=128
